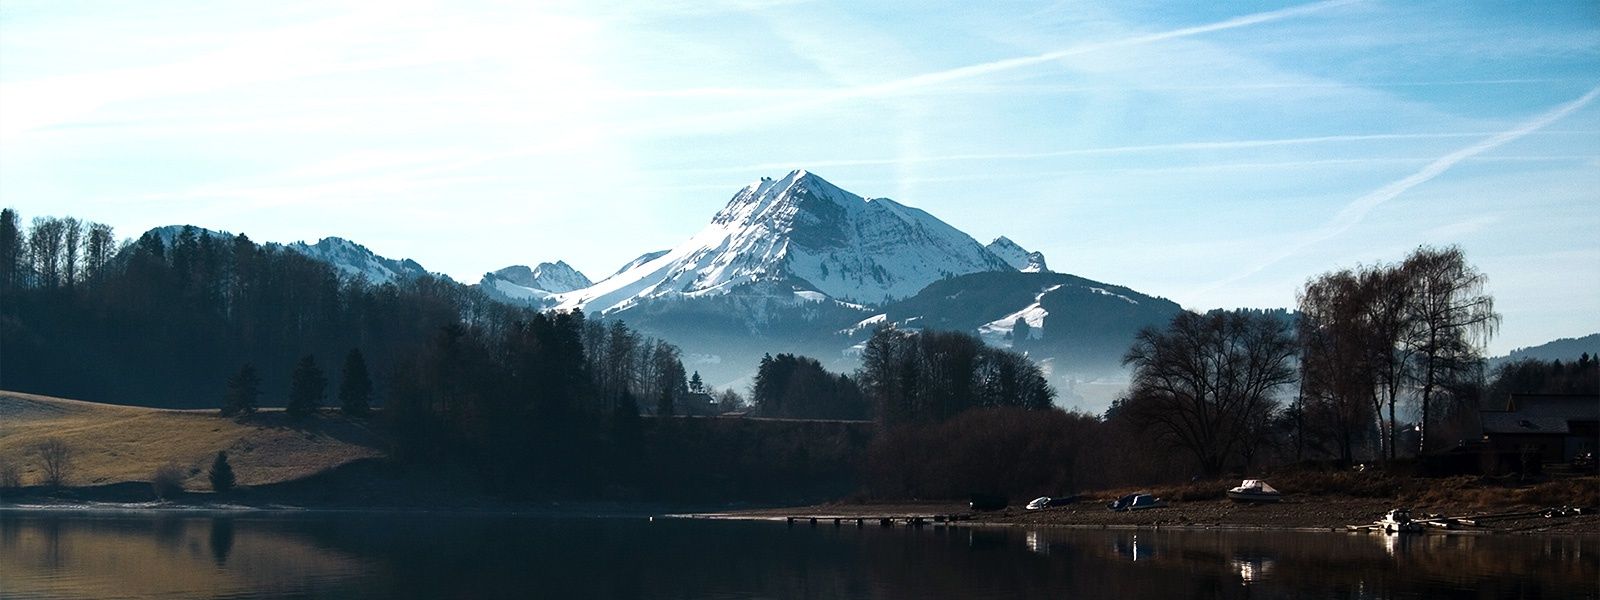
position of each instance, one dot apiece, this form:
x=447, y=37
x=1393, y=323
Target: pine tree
x=221, y=473
x=243, y=389
x=307, y=388
x=696, y=384
x=355, y=386
x=1020, y=332
x=11, y=250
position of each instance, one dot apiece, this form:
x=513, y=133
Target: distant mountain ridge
x=1564, y=349
x=346, y=257
x=536, y=286
x=353, y=259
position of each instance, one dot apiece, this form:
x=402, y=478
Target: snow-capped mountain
x=805, y=235
x=1017, y=256
x=350, y=258
x=522, y=285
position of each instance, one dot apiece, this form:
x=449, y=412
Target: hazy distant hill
x=1564, y=349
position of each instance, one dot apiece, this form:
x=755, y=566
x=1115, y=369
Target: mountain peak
x=1018, y=257
x=802, y=231
x=523, y=284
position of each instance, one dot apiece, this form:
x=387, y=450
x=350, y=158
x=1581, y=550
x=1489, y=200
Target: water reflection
x=221, y=539
x=416, y=556
x=1252, y=569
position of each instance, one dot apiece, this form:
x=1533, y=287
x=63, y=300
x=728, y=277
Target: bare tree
x=55, y=460
x=1387, y=293
x=1205, y=381
x=45, y=239
x=1336, y=377
x=71, y=242
x=1452, y=319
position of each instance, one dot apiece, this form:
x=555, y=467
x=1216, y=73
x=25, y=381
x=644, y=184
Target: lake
x=433, y=556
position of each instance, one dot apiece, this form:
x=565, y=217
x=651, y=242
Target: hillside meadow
x=113, y=444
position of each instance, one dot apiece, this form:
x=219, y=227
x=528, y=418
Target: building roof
x=1542, y=414
x=1510, y=422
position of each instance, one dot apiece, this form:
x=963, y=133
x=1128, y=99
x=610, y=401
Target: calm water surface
x=411, y=556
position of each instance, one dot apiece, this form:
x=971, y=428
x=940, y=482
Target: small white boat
x=1254, y=490
x=1398, y=521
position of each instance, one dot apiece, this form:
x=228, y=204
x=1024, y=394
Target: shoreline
x=1084, y=516
x=1330, y=515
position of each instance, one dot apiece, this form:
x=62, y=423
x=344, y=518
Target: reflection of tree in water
x=221, y=539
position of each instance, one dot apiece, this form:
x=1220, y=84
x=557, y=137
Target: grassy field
x=114, y=444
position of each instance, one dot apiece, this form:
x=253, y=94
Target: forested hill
x=165, y=324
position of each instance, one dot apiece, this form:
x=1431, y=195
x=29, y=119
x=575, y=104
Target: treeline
x=162, y=320
x=930, y=376
x=1534, y=376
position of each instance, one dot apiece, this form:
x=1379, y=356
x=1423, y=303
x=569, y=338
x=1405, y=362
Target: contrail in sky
x=1357, y=210
x=1008, y=64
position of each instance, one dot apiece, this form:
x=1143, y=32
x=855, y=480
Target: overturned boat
x=1254, y=490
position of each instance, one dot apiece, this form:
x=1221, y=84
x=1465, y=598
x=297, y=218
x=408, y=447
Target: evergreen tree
x=696, y=384
x=11, y=251
x=355, y=386
x=306, y=388
x=1020, y=332
x=244, y=388
x=221, y=473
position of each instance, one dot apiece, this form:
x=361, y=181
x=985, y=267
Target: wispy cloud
x=1354, y=212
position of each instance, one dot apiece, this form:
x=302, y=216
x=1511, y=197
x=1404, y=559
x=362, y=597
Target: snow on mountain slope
x=521, y=284
x=996, y=332
x=350, y=258
x=643, y=258
x=1016, y=256
x=553, y=277
x=806, y=232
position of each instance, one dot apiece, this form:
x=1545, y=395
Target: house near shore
x=1558, y=427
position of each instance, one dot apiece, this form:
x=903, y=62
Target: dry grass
x=113, y=444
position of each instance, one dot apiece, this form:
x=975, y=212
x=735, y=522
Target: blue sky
x=1217, y=154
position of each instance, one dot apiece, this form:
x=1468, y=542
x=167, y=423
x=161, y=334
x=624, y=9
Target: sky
x=1218, y=154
